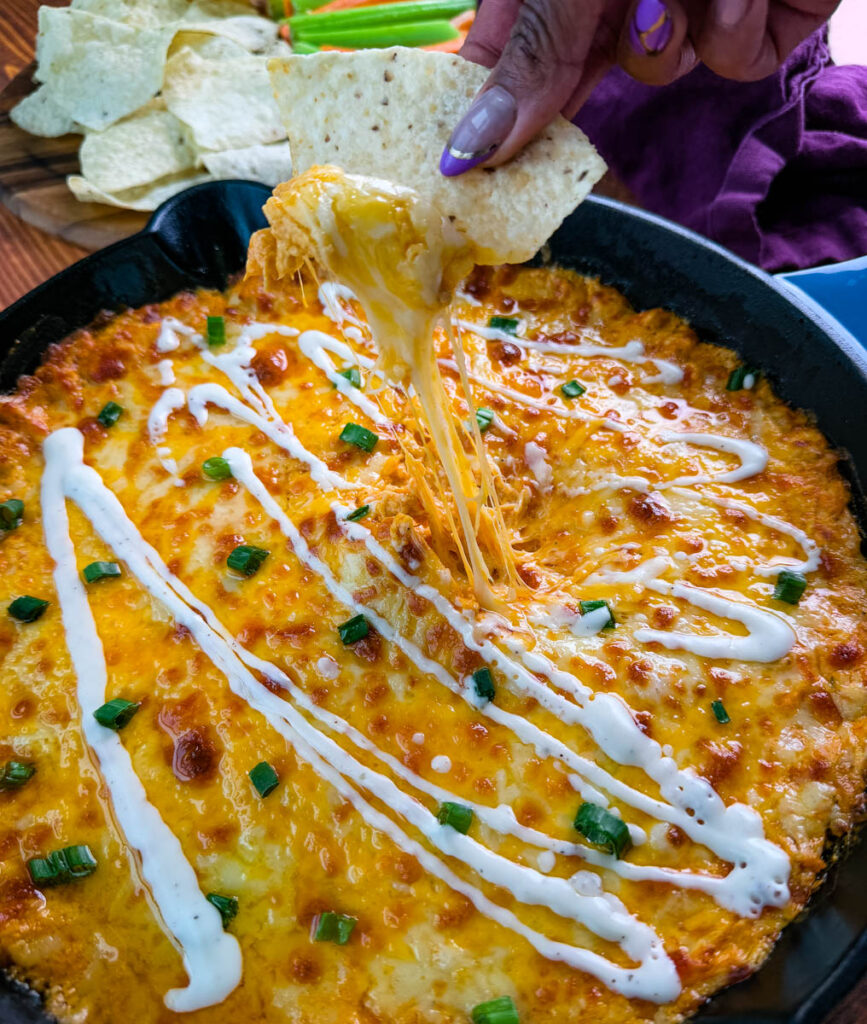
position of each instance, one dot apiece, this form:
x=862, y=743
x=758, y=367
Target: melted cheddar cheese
x=655, y=490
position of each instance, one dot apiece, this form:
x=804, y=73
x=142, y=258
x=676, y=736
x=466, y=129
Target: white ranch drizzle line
x=329, y=294
x=536, y=403
x=631, y=352
x=525, y=884
x=654, y=978
x=769, y=638
x=739, y=836
x=753, y=457
x=202, y=395
x=170, y=328
x=166, y=372
x=212, y=958
x=810, y=547
x=314, y=345
x=169, y=401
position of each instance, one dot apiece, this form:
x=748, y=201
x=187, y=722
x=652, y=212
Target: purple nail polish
x=480, y=131
x=650, y=30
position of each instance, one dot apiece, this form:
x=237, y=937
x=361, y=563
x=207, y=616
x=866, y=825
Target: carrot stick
x=463, y=21
x=450, y=46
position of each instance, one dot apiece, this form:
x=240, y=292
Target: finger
x=734, y=42
x=541, y=64
x=655, y=46
x=490, y=31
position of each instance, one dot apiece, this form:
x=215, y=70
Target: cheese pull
x=403, y=260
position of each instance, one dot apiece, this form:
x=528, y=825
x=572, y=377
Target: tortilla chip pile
x=167, y=93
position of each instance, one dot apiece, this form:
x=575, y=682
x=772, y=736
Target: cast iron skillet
x=199, y=238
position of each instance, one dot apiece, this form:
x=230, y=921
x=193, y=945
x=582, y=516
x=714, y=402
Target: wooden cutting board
x=33, y=181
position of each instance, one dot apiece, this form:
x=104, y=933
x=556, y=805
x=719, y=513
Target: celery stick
x=298, y=46
x=381, y=14
x=413, y=33
x=300, y=6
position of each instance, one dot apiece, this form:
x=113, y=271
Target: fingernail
x=730, y=13
x=651, y=29
x=480, y=132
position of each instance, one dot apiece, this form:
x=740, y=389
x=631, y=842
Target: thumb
x=540, y=67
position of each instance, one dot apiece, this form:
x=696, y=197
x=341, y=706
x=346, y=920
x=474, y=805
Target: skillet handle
x=839, y=290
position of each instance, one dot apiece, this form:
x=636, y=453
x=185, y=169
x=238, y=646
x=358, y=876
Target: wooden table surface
x=28, y=257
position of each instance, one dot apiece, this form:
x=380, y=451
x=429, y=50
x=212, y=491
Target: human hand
x=547, y=57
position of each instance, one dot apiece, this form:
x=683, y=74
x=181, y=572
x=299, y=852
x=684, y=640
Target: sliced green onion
x=790, y=586
x=97, y=571
x=383, y=14
x=116, y=713
x=359, y=513
x=509, y=324
x=216, y=331
x=331, y=927
x=276, y=10
x=458, y=816
x=484, y=683
x=66, y=865
x=227, y=906
x=352, y=374
x=572, y=389
x=353, y=629
x=264, y=778
x=14, y=774
x=361, y=437
x=496, y=1011
x=246, y=559
x=602, y=828
x=484, y=418
x=592, y=606
x=27, y=609
x=719, y=711
x=742, y=377
x=300, y=47
x=216, y=468
x=11, y=514
x=109, y=414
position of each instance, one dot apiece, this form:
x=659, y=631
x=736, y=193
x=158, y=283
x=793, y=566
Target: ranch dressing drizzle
x=753, y=457
x=170, y=328
x=169, y=401
x=769, y=637
x=535, y=403
x=631, y=352
x=810, y=547
x=760, y=868
x=655, y=977
x=314, y=345
x=202, y=395
x=212, y=958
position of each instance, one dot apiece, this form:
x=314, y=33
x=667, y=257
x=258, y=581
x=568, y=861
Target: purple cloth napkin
x=775, y=170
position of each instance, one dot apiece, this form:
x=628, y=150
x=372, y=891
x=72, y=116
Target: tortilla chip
x=206, y=44
x=254, y=34
x=227, y=104
x=268, y=164
x=98, y=70
x=389, y=113
x=144, y=198
x=149, y=145
x=140, y=13
x=40, y=114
